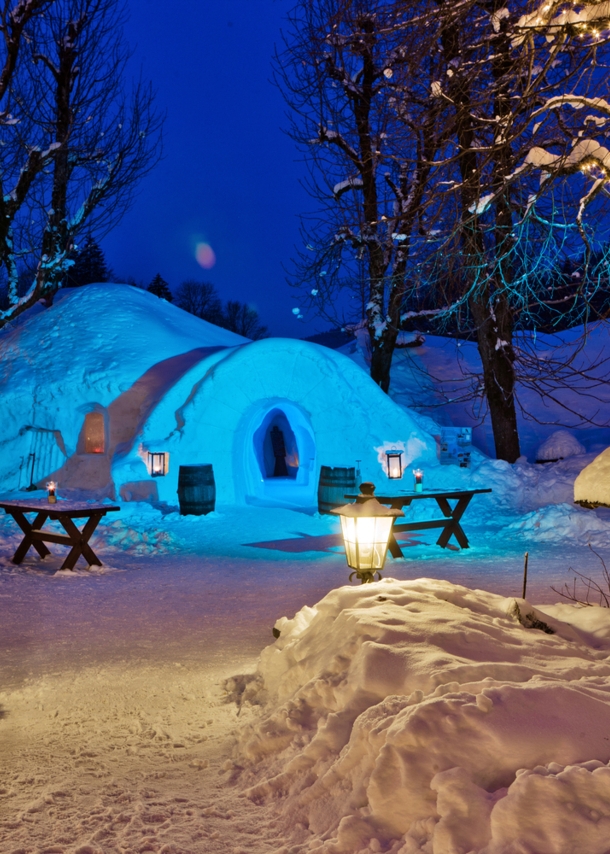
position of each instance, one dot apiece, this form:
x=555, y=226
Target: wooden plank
x=51, y=537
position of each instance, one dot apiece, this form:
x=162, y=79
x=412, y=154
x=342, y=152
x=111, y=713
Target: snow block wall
x=162, y=381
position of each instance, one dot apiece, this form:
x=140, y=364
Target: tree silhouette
x=160, y=288
x=89, y=265
x=240, y=318
x=200, y=299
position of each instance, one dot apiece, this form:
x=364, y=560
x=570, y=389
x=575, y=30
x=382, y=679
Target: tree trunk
x=491, y=312
x=494, y=337
x=381, y=361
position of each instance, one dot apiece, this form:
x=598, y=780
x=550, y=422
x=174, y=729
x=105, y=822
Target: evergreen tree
x=160, y=288
x=89, y=265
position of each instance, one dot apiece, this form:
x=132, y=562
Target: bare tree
x=459, y=133
x=242, y=319
x=200, y=299
x=508, y=71
x=75, y=144
x=357, y=77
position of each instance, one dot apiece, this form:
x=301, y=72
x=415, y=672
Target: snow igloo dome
x=112, y=390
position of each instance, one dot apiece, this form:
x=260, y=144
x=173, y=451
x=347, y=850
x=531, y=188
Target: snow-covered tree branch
x=74, y=143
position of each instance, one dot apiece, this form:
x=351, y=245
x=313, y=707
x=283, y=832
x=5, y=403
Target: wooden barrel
x=196, y=490
x=334, y=483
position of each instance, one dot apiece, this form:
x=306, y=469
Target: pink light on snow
x=205, y=256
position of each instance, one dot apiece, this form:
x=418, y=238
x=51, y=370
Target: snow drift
x=592, y=486
x=425, y=717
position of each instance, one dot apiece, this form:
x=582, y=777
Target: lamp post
x=366, y=527
x=394, y=463
x=156, y=464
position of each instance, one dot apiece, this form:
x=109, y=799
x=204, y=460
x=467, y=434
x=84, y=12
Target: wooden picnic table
x=63, y=512
x=450, y=523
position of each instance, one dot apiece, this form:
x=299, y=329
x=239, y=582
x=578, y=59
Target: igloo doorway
x=280, y=456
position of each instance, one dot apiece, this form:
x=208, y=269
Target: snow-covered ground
x=117, y=732
x=427, y=714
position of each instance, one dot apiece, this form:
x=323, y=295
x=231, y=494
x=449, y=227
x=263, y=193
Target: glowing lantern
x=157, y=464
x=419, y=480
x=394, y=463
x=51, y=488
x=366, y=527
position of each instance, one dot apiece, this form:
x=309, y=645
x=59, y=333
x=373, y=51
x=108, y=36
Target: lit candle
x=51, y=487
x=419, y=480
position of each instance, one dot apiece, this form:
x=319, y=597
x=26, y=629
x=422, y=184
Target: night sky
x=229, y=178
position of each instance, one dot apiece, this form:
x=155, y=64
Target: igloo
x=124, y=389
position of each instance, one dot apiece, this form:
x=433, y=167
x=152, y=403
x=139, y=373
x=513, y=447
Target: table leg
x=27, y=541
x=453, y=521
x=393, y=547
x=81, y=541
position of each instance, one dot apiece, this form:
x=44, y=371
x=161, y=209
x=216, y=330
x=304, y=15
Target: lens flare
x=205, y=256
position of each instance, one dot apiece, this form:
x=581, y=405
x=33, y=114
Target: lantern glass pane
x=394, y=466
x=366, y=540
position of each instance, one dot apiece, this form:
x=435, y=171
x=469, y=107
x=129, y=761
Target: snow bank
x=559, y=445
x=562, y=523
x=426, y=717
x=593, y=483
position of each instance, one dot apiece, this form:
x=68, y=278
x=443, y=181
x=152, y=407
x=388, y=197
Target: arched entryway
x=277, y=446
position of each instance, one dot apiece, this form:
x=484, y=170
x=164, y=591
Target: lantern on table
x=157, y=464
x=51, y=492
x=394, y=463
x=366, y=527
x=419, y=480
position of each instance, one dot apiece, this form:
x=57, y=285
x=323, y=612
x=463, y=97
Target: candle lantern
x=51, y=492
x=394, y=463
x=419, y=480
x=157, y=464
x=366, y=527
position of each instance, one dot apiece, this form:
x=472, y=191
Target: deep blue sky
x=230, y=176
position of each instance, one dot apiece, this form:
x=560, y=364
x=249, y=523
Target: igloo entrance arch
x=279, y=454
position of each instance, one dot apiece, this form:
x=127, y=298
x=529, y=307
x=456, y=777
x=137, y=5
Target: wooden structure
x=450, y=523
x=63, y=512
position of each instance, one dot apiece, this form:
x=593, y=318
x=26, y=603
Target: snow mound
x=593, y=483
x=559, y=445
x=558, y=523
x=422, y=716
